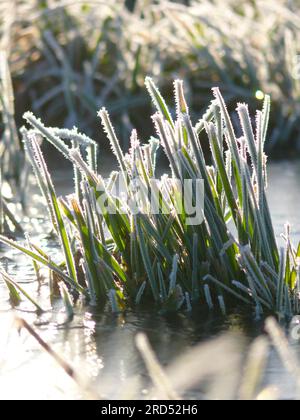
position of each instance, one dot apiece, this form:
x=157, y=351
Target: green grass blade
x=158, y=100
x=15, y=288
x=45, y=262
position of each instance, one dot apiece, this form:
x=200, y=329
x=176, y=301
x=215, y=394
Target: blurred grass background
x=70, y=58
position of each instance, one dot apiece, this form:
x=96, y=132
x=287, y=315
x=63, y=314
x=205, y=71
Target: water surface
x=102, y=346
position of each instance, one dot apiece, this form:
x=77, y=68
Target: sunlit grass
x=130, y=259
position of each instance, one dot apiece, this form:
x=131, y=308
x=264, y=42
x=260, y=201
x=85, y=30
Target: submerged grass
x=128, y=258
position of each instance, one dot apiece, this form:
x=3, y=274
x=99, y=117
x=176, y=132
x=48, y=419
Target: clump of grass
x=129, y=258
